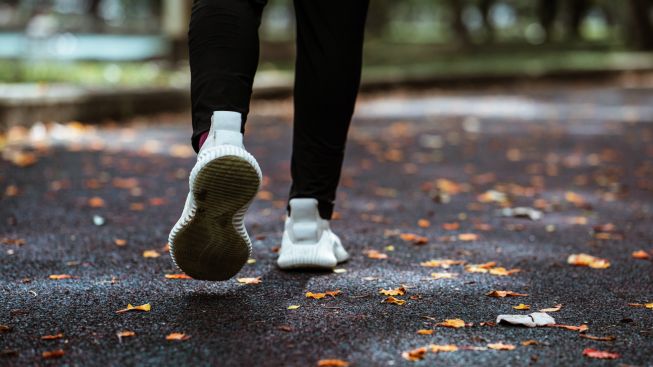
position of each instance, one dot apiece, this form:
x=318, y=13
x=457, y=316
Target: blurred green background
x=142, y=42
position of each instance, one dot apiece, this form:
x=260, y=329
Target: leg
x=223, y=53
x=328, y=68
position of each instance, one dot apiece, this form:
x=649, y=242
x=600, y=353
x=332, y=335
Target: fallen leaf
x=444, y=263
x=501, y=346
x=415, y=239
x=641, y=254
x=394, y=300
x=151, y=254
x=468, y=236
x=414, y=354
x=120, y=242
x=393, y=292
x=531, y=320
x=177, y=276
x=5, y=328
x=501, y=294
x=608, y=338
x=452, y=323
x=177, y=336
x=526, y=343
x=96, y=202
x=501, y=271
x=52, y=337
x=599, y=354
x=522, y=306
x=443, y=275
x=425, y=331
x=588, y=260
x=322, y=295
x=125, y=334
x=424, y=223
x=644, y=305
x=293, y=307
x=480, y=268
x=451, y=226
x=332, y=363
x=374, y=254
x=256, y=280
x=60, y=276
x=144, y=307
x=555, y=308
x=53, y=354
x=580, y=329
x=437, y=348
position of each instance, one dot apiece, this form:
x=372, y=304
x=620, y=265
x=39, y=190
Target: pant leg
x=223, y=53
x=327, y=77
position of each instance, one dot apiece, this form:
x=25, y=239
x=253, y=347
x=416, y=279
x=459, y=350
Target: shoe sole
x=212, y=243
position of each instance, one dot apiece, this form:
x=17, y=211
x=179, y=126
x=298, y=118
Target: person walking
x=209, y=241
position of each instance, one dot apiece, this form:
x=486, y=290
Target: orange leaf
x=437, y=348
x=501, y=346
x=177, y=276
x=529, y=342
x=145, y=307
x=452, y=323
x=608, y=338
x=374, y=254
x=53, y=354
x=415, y=239
x=468, y=236
x=96, y=202
x=451, y=226
x=580, y=329
x=425, y=331
x=424, y=223
x=522, y=306
x=177, y=336
x=599, y=354
x=414, y=354
x=125, y=334
x=52, y=337
x=315, y=295
x=645, y=305
x=332, y=363
x=393, y=292
x=641, y=254
x=120, y=242
x=256, y=280
x=501, y=271
x=393, y=300
x=501, y=294
x=588, y=260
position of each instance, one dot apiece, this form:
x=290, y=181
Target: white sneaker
x=209, y=241
x=307, y=239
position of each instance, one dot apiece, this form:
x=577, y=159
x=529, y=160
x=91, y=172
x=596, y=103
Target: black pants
x=224, y=52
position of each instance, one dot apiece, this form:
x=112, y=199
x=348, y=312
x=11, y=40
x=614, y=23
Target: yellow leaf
x=468, y=236
x=251, y=261
x=501, y=294
x=177, y=336
x=393, y=300
x=425, y=331
x=501, y=271
x=256, y=280
x=452, y=323
x=332, y=363
x=501, y=346
x=293, y=307
x=437, y=276
x=435, y=348
x=393, y=292
x=522, y=306
x=145, y=307
x=588, y=260
x=151, y=254
x=60, y=276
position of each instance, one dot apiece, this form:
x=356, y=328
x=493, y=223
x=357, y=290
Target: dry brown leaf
x=501, y=271
x=425, y=331
x=644, y=305
x=522, y=306
x=452, y=323
x=415, y=239
x=437, y=348
x=588, y=260
x=322, y=295
x=256, y=280
x=641, y=254
x=177, y=336
x=444, y=263
x=526, y=343
x=151, y=254
x=501, y=346
x=599, y=354
x=52, y=337
x=555, y=308
x=374, y=254
x=53, y=354
x=443, y=275
x=501, y=294
x=414, y=354
x=332, y=363
x=608, y=338
x=144, y=307
x=393, y=292
x=393, y=300
x=581, y=329
x=177, y=276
